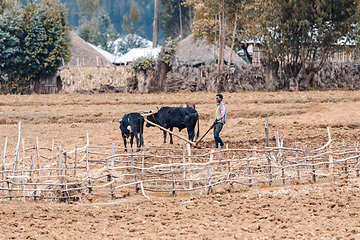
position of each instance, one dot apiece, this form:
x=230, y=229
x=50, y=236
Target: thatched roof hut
x=189, y=70
x=196, y=53
x=82, y=54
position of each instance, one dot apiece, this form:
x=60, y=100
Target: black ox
x=170, y=117
x=132, y=124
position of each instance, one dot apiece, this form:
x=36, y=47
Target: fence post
x=32, y=174
x=16, y=159
x=110, y=177
x=269, y=168
x=282, y=170
x=60, y=172
x=38, y=156
x=228, y=160
x=3, y=164
x=357, y=160
x=345, y=162
x=313, y=170
x=52, y=151
x=66, y=163
x=297, y=164
x=267, y=132
x=87, y=154
x=248, y=167
x=330, y=157
x=142, y=164
x=219, y=157
x=76, y=144
x=189, y=160
x=209, y=171
x=172, y=176
x=184, y=161
x=23, y=170
x=312, y=165
x=113, y=153
x=17, y=151
x=87, y=162
x=267, y=145
x=133, y=164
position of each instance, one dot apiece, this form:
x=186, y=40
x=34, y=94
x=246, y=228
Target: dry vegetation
x=326, y=210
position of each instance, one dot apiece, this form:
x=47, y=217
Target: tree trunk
x=221, y=42
x=158, y=82
x=180, y=14
x=233, y=42
x=245, y=48
x=163, y=69
x=190, y=18
x=155, y=24
x=271, y=77
x=306, y=82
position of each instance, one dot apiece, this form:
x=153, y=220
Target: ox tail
x=198, y=131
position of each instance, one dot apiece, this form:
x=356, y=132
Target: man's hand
x=213, y=124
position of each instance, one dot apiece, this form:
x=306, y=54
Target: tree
x=88, y=9
x=220, y=22
x=131, y=25
x=88, y=30
x=176, y=19
x=96, y=27
x=126, y=43
x=11, y=18
x=44, y=44
x=107, y=32
x=130, y=38
x=301, y=34
x=164, y=61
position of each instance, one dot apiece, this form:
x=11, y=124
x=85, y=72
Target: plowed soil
x=327, y=210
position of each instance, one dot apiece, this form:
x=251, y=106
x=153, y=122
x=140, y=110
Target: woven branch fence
x=69, y=175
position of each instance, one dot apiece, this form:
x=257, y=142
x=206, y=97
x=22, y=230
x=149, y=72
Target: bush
x=170, y=48
x=144, y=63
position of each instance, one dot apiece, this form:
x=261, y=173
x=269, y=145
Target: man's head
x=219, y=97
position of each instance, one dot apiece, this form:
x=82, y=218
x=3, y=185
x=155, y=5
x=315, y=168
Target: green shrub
x=144, y=63
x=170, y=48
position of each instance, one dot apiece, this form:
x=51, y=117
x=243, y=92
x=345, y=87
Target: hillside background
x=116, y=10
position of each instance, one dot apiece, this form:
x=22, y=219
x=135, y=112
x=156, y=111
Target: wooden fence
x=69, y=175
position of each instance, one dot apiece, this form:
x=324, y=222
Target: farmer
x=220, y=119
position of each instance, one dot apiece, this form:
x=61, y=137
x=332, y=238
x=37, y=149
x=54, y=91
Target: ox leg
x=171, y=139
x=164, y=136
x=141, y=140
x=191, y=134
x=131, y=139
x=137, y=142
x=124, y=138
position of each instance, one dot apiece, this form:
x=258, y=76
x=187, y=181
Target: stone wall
x=125, y=79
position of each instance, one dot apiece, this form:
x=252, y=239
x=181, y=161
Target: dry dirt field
x=327, y=210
